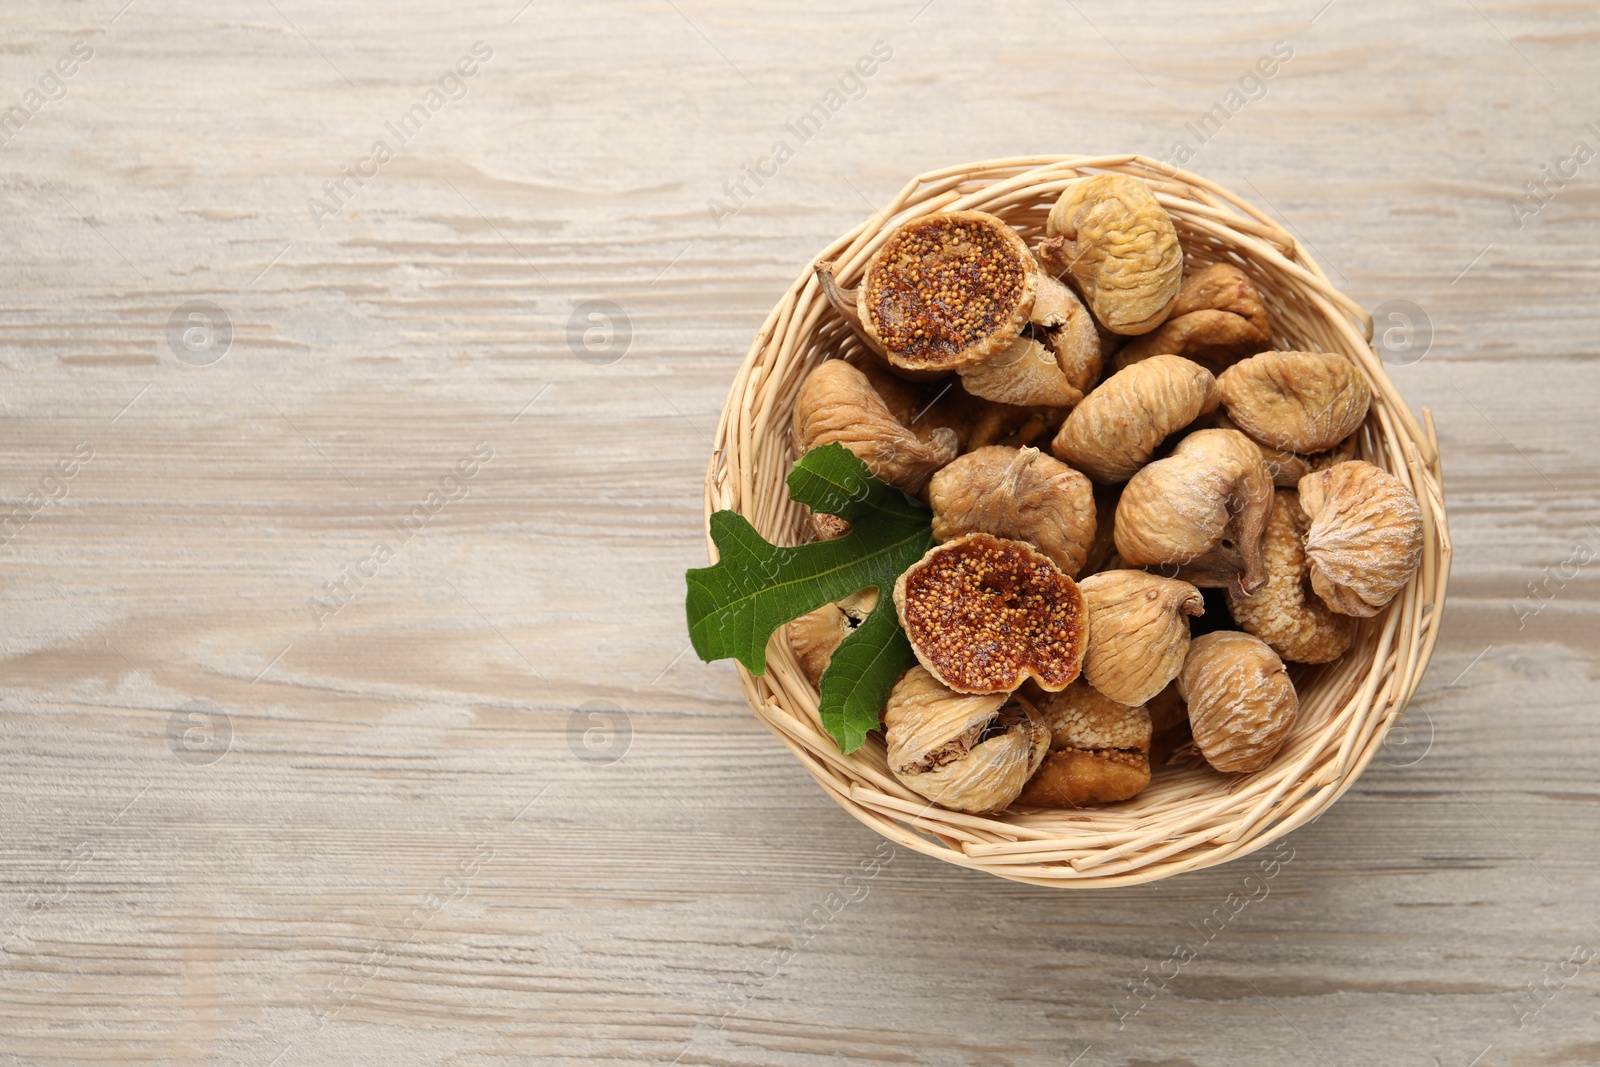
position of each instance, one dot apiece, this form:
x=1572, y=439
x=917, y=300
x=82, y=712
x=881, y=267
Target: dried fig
x=816, y=636
x=1241, y=702
x=1301, y=402
x=983, y=614
x=1284, y=613
x=1119, y=245
x=1026, y=374
x=1116, y=428
x=1021, y=494
x=1099, y=750
x=1217, y=319
x=837, y=403
x=1365, y=537
x=968, y=753
x=1202, y=510
x=1138, y=632
x=1075, y=341
x=945, y=291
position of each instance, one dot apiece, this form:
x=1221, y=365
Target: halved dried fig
x=984, y=613
x=945, y=291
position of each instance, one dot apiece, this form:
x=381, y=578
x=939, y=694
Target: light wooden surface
x=423, y=842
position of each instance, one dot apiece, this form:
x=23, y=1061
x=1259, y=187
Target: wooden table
x=348, y=711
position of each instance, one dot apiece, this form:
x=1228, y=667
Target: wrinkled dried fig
x=1116, y=428
x=1076, y=341
x=1301, y=402
x=1202, y=511
x=816, y=636
x=1116, y=240
x=1241, y=702
x=1099, y=750
x=1285, y=613
x=945, y=291
x=1364, y=541
x=983, y=614
x=1217, y=319
x=838, y=403
x=968, y=753
x=1021, y=494
x=1138, y=632
x=1027, y=374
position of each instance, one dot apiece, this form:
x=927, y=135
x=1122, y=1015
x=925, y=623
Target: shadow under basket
x=1188, y=818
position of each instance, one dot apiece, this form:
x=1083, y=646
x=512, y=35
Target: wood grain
x=410, y=851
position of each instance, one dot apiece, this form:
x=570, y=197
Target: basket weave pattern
x=1188, y=818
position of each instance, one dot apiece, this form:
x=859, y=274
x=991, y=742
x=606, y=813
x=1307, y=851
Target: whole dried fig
x=968, y=753
x=1284, y=612
x=1119, y=245
x=1021, y=494
x=1099, y=750
x=1217, y=319
x=1026, y=374
x=1301, y=402
x=1365, y=537
x=1075, y=339
x=1241, y=702
x=817, y=635
x=1201, y=511
x=1116, y=428
x=944, y=291
x=838, y=403
x=983, y=614
x=1138, y=632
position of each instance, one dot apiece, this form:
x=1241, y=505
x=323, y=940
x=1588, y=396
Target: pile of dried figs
x=1100, y=437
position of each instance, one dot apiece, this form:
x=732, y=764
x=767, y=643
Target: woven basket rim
x=1186, y=820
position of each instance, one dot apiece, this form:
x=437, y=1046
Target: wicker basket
x=1187, y=818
